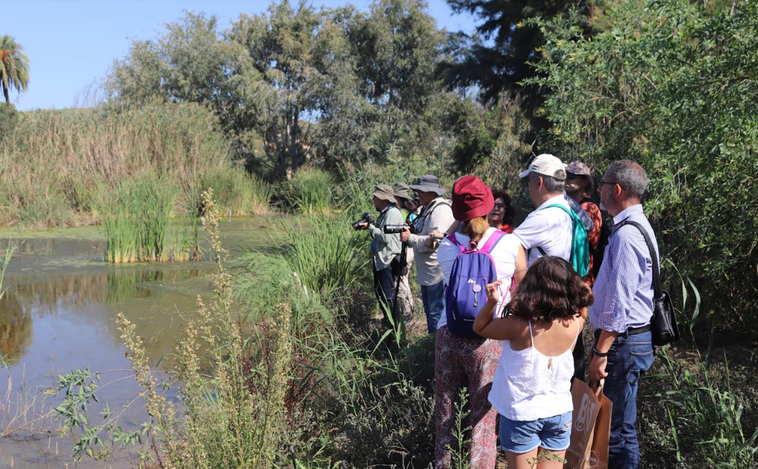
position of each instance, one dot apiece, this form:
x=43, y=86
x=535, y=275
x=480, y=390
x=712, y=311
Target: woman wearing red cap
x=462, y=361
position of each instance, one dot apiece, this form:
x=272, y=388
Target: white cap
x=546, y=165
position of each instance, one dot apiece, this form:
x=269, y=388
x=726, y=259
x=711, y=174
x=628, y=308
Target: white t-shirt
x=504, y=254
x=549, y=228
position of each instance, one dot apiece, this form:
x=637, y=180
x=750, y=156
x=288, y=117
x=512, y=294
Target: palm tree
x=14, y=67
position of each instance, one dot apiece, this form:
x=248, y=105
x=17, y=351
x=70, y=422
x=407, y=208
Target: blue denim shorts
x=551, y=433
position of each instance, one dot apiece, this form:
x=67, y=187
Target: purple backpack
x=466, y=294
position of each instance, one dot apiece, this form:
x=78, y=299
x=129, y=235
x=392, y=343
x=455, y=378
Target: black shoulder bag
x=663, y=324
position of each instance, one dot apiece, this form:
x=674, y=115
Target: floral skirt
x=471, y=363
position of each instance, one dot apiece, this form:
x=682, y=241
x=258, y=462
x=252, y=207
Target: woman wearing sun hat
x=471, y=362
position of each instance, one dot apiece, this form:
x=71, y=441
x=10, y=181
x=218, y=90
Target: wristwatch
x=597, y=352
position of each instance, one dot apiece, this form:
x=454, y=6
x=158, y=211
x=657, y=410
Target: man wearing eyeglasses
x=623, y=308
x=579, y=186
x=549, y=230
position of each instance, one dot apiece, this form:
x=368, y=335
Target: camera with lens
x=390, y=229
x=365, y=218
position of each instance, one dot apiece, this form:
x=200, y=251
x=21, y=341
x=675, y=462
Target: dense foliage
x=673, y=86
x=336, y=86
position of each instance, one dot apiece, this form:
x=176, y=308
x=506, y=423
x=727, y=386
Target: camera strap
x=421, y=220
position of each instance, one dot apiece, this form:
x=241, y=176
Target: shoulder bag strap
x=653, y=255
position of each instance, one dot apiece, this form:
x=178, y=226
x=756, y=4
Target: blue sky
x=71, y=44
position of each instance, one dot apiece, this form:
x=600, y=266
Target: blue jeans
x=433, y=298
x=630, y=357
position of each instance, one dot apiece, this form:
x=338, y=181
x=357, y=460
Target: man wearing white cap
x=549, y=230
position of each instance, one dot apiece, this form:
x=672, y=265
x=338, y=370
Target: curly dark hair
x=551, y=289
x=510, y=210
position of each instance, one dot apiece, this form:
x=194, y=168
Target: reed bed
x=135, y=216
x=238, y=193
x=52, y=162
x=310, y=191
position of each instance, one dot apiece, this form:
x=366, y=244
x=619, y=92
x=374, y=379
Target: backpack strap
x=455, y=241
x=492, y=241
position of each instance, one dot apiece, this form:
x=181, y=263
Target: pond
x=58, y=315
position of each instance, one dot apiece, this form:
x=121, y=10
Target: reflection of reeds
x=135, y=215
x=114, y=286
x=15, y=329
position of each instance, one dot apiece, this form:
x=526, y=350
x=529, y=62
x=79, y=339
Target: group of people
x=528, y=326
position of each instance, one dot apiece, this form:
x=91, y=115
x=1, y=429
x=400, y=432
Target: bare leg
x=521, y=461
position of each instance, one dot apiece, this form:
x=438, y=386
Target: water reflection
x=48, y=295
x=15, y=328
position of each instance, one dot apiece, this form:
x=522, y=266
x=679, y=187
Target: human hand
x=597, y=368
x=363, y=226
x=405, y=235
x=493, y=291
x=436, y=234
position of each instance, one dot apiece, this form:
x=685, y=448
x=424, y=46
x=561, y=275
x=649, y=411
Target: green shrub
x=671, y=85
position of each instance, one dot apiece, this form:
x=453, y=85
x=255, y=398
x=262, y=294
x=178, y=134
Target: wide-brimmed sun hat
x=471, y=198
x=402, y=190
x=546, y=165
x=428, y=183
x=384, y=192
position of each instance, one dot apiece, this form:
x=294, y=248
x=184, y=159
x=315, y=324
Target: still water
x=58, y=315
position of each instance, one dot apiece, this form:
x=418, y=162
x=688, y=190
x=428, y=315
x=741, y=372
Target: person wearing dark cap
x=409, y=210
x=435, y=216
x=465, y=361
x=580, y=186
x=384, y=246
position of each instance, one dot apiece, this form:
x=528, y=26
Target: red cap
x=471, y=198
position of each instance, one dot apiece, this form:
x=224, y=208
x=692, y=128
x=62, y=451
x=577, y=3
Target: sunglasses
x=499, y=205
x=600, y=184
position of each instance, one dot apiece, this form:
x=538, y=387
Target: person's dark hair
x=551, y=289
x=510, y=210
x=551, y=184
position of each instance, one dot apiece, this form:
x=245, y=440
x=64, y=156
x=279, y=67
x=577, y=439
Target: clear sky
x=71, y=44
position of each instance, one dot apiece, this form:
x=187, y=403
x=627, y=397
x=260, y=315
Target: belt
x=636, y=330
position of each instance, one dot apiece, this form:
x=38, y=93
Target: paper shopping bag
x=586, y=408
x=598, y=458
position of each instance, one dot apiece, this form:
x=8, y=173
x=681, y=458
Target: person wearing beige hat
x=384, y=246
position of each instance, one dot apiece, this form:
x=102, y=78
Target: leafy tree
x=280, y=46
x=14, y=67
x=673, y=86
x=498, y=58
x=190, y=62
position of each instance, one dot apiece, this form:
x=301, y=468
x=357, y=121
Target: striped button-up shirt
x=624, y=286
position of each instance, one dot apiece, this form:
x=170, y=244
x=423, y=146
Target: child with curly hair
x=531, y=389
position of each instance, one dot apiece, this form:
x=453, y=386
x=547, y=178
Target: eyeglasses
x=601, y=183
x=499, y=205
